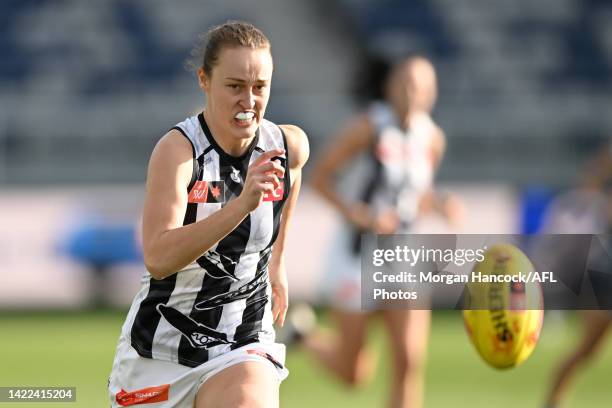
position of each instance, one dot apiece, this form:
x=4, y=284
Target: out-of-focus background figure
x=586, y=209
x=86, y=88
x=404, y=147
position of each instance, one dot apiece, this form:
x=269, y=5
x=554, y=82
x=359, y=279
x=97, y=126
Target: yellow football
x=503, y=315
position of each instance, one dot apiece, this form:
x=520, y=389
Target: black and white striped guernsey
x=223, y=300
x=402, y=165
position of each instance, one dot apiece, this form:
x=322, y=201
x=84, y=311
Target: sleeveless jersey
x=221, y=301
x=402, y=164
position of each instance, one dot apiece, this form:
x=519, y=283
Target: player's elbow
x=155, y=271
x=156, y=267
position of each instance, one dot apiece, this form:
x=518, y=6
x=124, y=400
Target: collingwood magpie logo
x=198, y=335
x=235, y=176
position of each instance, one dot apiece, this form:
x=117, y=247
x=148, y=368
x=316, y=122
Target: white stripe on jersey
x=259, y=237
x=167, y=338
x=231, y=316
x=210, y=172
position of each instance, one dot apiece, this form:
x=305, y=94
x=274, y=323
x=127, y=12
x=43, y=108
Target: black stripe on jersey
x=223, y=156
x=147, y=318
x=208, y=149
x=192, y=208
x=191, y=212
x=366, y=197
x=286, y=164
x=198, y=169
x=248, y=331
x=187, y=354
x=218, y=278
x=235, y=241
x=368, y=193
x=277, y=206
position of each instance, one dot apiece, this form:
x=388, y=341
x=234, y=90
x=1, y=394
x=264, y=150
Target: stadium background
x=86, y=89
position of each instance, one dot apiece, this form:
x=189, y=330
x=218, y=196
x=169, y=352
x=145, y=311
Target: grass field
x=76, y=349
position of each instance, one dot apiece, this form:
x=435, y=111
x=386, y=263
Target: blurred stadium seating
x=81, y=84
x=525, y=86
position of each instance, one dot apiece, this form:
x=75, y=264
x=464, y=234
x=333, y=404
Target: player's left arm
x=449, y=206
x=298, y=151
x=438, y=146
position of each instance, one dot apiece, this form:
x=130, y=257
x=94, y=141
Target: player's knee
x=407, y=364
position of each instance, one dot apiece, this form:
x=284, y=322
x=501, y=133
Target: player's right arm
x=355, y=138
x=168, y=246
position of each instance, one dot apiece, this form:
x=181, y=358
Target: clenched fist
x=263, y=177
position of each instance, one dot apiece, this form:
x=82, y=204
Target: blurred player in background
x=587, y=210
x=405, y=147
x=199, y=332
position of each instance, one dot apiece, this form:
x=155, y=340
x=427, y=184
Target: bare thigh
x=250, y=384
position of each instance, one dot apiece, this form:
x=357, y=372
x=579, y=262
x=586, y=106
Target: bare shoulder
x=171, y=160
x=297, y=144
x=173, y=144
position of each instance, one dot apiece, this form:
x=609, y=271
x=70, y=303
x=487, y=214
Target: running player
x=405, y=146
x=586, y=211
x=199, y=332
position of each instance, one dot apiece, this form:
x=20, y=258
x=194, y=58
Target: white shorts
x=342, y=273
x=137, y=380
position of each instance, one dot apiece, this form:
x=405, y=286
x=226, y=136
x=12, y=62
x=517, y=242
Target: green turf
x=76, y=349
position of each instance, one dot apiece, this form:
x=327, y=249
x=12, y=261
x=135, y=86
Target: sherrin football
x=503, y=319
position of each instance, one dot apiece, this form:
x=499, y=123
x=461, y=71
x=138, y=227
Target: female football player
x=199, y=332
x=405, y=147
